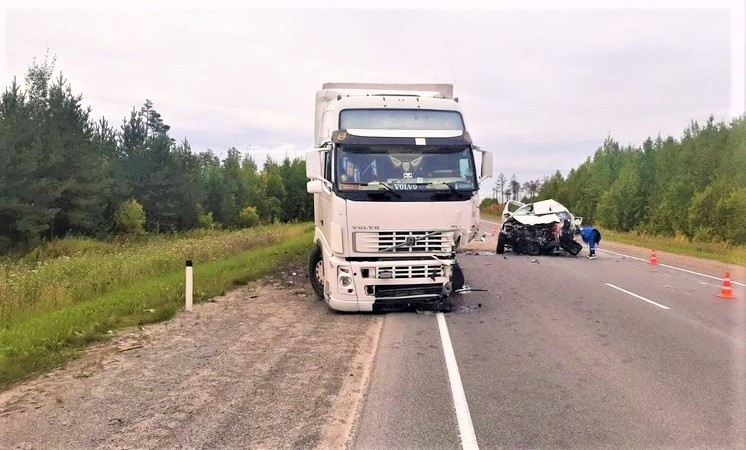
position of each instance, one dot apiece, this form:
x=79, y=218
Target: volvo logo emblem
x=411, y=240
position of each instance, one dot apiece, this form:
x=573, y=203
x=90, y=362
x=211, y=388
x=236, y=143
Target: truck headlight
x=344, y=277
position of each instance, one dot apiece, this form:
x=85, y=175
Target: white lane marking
x=491, y=223
x=466, y=428
x=637, y=296
x=673, y=267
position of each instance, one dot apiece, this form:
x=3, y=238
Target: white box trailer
x=395, y=187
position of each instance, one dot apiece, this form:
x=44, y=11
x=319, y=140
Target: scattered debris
x=468, y=288
x=132, y=347
x=467, y=309
x=535, y=261
x=480, y=253
x=294, y=273
x=150, y=310
x=425, y=312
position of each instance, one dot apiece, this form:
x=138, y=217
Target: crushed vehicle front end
x=541, y=228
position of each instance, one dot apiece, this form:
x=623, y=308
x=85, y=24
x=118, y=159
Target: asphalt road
x=562, y=352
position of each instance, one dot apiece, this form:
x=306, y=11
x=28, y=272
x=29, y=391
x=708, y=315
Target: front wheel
x=572, y=247
x=500, y=243
x=316, y=271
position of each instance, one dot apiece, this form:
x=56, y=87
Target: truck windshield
x=405, y=168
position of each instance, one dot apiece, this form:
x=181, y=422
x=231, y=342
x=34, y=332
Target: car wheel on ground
x=501, y=243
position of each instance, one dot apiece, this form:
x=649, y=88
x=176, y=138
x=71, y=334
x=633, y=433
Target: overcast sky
x=540, y=88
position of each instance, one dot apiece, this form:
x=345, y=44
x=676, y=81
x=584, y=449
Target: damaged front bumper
x=386, y=285
x=540, y=239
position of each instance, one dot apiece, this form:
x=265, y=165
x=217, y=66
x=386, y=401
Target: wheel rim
x=320, y=272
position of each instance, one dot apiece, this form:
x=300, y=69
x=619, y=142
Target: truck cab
x=395, y=185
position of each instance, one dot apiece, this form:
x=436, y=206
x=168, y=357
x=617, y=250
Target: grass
x=718, y=251
x=490, y=216
x=128, y=285
x=65, y=272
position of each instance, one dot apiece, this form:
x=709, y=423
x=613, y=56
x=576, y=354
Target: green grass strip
x=45, y=341
x=75, y=270
x=717, y=251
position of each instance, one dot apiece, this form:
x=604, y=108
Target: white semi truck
x=395, y=191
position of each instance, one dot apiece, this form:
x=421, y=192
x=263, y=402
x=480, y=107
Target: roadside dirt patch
x=264, y=366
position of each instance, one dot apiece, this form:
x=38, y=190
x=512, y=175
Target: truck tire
x=316, y=271
x=500, y=243
x=457, y=278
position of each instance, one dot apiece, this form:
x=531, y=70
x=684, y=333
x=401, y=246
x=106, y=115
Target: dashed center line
x=465, y=426
x=637, y=296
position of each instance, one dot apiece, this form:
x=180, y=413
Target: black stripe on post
x=189, y=263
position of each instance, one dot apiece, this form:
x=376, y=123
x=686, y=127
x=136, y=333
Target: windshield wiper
x=384, y=185
x=452, y=188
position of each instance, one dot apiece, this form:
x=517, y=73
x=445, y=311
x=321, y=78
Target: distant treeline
x=63, y=173
x=693, y=187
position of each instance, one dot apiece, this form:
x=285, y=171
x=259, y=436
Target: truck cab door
x=319, y=171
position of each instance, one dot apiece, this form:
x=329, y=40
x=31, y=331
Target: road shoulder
x=263, y=366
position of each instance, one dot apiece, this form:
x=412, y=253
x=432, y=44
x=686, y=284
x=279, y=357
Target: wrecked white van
x=541, y=228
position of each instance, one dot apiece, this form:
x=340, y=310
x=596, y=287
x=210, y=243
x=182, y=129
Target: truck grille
x=410, y=272
x=404, y=242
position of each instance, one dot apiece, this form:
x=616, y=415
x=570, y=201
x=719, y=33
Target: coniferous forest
x=694, y=187
x=64, y=172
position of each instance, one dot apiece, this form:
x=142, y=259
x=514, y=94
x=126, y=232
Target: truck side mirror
x=313, y=164
x=486, y=171
x=315, y=187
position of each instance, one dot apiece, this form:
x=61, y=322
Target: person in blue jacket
x=592, y=237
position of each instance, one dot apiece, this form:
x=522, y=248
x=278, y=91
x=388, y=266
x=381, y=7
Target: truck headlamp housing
x=344, y=277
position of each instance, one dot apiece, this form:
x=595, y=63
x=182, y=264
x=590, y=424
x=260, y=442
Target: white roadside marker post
x=189, y=285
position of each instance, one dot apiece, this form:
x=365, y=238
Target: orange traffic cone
x=726, y=291
x=653, y=259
